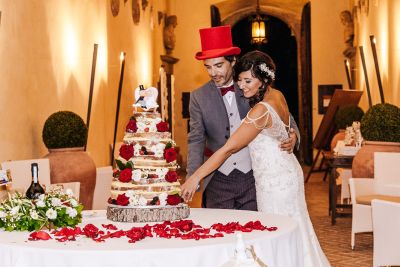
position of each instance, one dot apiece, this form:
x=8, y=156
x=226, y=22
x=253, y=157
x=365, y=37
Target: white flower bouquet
x=51, y=210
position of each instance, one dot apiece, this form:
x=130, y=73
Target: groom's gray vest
x=212, y=121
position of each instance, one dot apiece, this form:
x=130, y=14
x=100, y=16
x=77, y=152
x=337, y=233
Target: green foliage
x=64, y=129
x=168, y=145
x=123, y=166
x=19, y=213
x=381, y=123
x=347, y=114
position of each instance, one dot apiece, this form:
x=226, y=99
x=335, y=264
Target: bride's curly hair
x=262, y=67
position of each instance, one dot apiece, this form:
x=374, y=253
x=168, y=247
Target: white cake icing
x=146, y=166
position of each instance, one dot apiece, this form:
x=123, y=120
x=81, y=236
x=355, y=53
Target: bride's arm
x=247, y=131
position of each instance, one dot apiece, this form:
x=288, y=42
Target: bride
x=278, y=175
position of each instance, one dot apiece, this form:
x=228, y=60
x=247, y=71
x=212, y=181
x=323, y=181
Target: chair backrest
x=387, y=172
x=21, y=173
x=386, y=232
x=103, y=187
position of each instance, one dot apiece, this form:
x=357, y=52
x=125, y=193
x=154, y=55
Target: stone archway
x=291, y=12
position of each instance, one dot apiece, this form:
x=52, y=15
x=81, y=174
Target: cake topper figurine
x=140, y=100
x=146, y=98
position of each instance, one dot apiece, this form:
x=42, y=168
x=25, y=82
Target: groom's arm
x=293, y=125
x=196, y=137
x=294, y=137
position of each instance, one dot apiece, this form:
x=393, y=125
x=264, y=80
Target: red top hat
x=216, y=42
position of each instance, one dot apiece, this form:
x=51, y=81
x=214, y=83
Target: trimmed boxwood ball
x=64, y=129
x=381, y=123
x=347, y=114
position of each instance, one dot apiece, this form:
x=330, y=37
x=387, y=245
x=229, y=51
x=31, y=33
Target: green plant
x=346, y=115
x=381, y=123
x=64, y=129
x=54, y=209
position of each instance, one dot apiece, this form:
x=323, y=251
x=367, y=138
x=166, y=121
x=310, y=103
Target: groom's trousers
x=234, y=191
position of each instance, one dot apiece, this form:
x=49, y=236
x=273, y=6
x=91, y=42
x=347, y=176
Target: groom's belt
x=208, y=152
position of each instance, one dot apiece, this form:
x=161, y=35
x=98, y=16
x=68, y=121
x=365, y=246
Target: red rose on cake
x=171, y=176
x=170, y=154
x=126, y=151
x=162, y=126
x=131, y=127
x=122, y=200
x=174, y=200
x=125, y=175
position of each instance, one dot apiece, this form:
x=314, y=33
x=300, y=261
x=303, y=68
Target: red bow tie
x=225, y=90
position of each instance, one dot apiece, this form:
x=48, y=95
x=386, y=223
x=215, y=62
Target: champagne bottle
x=35, y=189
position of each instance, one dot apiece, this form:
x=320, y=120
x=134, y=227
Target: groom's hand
x=288, y=144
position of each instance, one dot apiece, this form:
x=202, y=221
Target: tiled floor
x=334, y=240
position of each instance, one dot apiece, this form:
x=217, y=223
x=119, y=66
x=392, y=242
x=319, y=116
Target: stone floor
x=334, y=240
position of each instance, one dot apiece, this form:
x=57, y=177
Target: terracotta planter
x=337, y=137
x=74, y=165
x=363, y=163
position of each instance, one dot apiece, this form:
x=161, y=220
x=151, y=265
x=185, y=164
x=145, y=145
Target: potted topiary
x=344, y=117
x=380, y=128
x=65, y=135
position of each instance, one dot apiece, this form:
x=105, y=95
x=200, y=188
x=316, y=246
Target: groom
x=216, y=110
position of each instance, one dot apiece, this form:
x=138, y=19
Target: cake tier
x=152, y=169
x=130, y=138
x=142, y=115
x=147, y=122
x=140, y=109
x=151, y=150
x=148, y=196
x=158, y=185
x=151, y=161
x=147, y=214
x=149, y=188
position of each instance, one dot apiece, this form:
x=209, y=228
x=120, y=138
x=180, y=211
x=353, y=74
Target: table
x=337, y=161
x=280, y=248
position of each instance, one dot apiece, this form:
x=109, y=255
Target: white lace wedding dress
x=280, y=185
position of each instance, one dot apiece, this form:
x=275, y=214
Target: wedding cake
x=145, y=185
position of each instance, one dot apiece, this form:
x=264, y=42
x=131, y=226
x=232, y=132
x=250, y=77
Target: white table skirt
x=279, y=248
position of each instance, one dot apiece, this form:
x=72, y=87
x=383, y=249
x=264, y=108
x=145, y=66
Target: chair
x=386, y=233
x=22, y=177
x=343, y=182
x=103, y=187
x=21, y=173
x=385, y=186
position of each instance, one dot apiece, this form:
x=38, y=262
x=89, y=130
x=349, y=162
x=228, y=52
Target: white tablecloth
x=280, y=248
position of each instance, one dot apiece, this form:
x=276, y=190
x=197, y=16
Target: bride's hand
x=288, y=144
x=189, y=188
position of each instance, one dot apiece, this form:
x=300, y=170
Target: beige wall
x=383, y=22
x=46, y=52
x=327, y=44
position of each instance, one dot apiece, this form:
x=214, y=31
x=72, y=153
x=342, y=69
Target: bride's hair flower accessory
x=264, y=68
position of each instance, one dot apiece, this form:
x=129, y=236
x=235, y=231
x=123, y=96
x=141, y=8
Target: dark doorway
x=282, y=48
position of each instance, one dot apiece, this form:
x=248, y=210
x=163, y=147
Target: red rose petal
x=39, y=235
